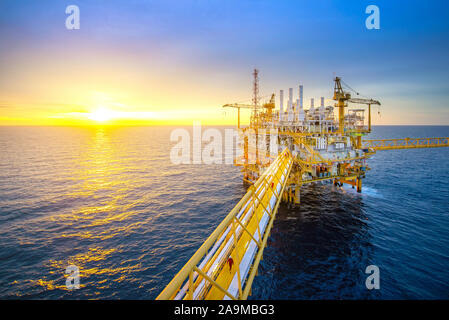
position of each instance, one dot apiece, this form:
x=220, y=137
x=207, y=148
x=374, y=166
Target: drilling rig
x=323, y=148
x=281, y=150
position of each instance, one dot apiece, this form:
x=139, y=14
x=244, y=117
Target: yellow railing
x=314, y=156
x=225, y=265
x=406, y=143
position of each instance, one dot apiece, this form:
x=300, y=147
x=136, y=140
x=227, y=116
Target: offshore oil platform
x=280, y=151
x=323, y=148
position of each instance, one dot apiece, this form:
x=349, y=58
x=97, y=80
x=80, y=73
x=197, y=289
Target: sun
x=101, y=115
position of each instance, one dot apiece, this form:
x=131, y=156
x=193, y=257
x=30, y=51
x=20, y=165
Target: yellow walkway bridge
x=225, y=265
x=407, y=143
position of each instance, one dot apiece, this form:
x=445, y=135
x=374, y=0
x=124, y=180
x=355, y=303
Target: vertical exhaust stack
x=281, y=105
x=322, y=110
x=301, y=113
x=298, y=107
x=290, y=104
x=312, y=105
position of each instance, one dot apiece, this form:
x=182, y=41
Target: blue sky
x=198, y=55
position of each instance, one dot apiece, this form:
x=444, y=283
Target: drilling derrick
x=254, y=159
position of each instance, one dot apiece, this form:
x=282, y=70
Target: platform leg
x=297, y=195
x=359, y=185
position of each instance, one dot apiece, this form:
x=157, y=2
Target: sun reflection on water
x=106, y=199
x=104, y=175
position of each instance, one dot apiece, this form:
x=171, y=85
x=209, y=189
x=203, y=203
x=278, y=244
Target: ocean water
x=108, y=200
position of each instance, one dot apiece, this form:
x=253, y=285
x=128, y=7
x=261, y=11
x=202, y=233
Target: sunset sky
x=173, y=62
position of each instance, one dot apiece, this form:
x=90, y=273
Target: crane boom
x=364, y=101
x=238, y=107
x=270, y=105
x=343, y=97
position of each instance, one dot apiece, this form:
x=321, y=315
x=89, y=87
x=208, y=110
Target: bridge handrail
x=405, y=143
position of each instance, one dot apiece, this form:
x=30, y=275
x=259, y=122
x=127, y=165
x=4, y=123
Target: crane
x=270, y=105
x=343, y=97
